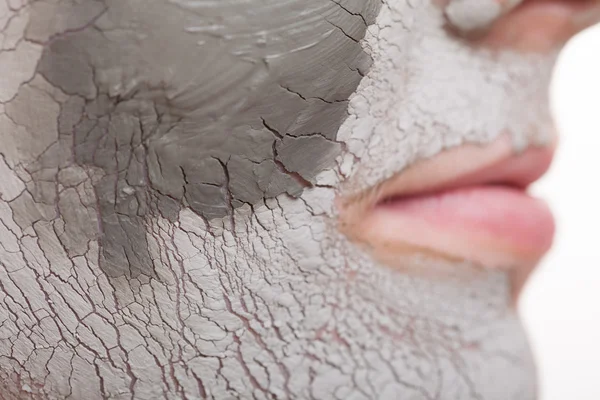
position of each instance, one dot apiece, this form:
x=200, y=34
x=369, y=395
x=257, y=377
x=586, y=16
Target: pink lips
x=466, y=203
x=509, y=224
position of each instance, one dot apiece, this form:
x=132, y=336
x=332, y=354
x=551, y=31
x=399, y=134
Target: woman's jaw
x=468, y=203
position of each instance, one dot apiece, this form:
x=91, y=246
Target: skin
x=168, y=225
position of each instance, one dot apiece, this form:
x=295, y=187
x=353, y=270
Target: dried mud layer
x=166, y=105
x=167, y=174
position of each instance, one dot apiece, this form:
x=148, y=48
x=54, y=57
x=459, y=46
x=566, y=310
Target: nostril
x=468, y=16
x=527, y=25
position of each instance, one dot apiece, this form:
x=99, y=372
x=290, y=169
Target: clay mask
x=168, y=177
x=470, y=15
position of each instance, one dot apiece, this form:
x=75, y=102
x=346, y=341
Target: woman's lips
x=466, y=203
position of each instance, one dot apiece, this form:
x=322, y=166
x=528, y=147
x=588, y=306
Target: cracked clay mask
x=168, y=181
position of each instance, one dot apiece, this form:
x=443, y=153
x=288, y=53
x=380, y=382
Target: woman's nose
x=523, y=25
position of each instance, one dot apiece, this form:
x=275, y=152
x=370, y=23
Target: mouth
x=468, y=203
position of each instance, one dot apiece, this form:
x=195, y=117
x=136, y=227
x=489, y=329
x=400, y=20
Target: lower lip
x=494, y=225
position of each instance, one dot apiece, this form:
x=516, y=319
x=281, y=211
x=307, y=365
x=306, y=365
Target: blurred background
x=561, y=305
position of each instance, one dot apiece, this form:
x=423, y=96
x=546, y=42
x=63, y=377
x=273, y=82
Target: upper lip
x=467, y=165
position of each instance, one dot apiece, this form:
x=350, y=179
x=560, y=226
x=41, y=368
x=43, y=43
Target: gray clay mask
x=170, y=175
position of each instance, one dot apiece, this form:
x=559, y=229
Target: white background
x=561, y=305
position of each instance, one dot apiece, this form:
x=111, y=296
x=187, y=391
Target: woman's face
x=272, y=199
